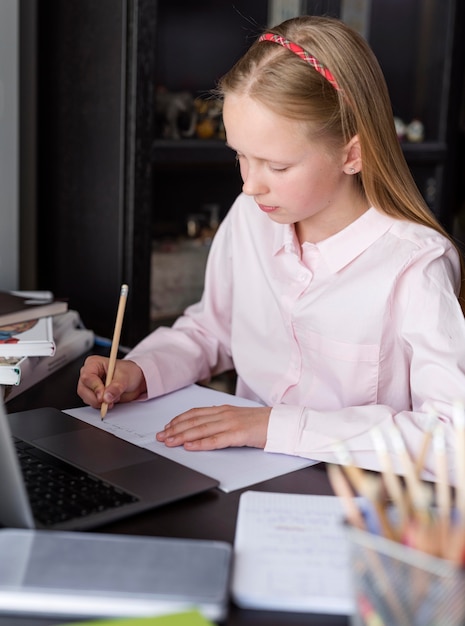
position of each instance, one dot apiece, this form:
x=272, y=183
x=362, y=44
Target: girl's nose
x=253, y=185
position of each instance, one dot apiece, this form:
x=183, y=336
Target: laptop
x=67, y=573
x=93, y=575
x=57, y=472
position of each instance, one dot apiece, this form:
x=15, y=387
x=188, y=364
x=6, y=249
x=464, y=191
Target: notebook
x=291, y=553
x=134, y=479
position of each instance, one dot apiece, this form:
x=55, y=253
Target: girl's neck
x=324, y=225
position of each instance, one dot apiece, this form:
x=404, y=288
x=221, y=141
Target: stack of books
x=35, y=326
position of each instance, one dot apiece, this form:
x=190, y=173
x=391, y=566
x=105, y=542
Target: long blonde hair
x=361, y=106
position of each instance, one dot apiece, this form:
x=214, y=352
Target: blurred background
x=113, y=166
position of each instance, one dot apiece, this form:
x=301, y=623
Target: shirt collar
x=285, y=238
x=343, y=247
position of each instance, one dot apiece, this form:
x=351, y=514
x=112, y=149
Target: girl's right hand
x=128, y=382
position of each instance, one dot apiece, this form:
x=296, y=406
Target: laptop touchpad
x=94, y=450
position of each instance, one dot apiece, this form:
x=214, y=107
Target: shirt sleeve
x=429, y=326
x=197, y=346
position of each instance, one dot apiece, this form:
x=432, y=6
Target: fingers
x=90, y=385
x=200, y=429
x=210, y=428
x=128, y=382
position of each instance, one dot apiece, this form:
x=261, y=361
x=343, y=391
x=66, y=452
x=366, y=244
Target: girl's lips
x=267, y=209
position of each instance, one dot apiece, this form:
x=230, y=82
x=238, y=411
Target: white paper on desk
x=291, y=553
x=234, y=468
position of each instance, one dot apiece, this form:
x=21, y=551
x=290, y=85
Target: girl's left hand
x=213, y=427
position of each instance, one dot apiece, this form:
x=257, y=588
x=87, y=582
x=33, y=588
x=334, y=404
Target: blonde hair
x=361, y=106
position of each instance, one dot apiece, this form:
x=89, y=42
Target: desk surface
x=210, y=515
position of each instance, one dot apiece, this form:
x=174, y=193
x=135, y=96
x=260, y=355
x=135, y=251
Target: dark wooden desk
x=211, y=515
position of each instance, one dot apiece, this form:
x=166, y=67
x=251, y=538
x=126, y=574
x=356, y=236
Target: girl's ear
x=353, y=156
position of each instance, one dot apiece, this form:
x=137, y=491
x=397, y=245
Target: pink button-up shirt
x=361, y=329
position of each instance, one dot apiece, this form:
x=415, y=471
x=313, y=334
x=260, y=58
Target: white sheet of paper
x=234, y=468
x=291, y=553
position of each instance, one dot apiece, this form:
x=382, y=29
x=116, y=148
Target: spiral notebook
x=291, y=553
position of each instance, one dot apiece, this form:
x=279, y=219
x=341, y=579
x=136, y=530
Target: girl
x=330, y=287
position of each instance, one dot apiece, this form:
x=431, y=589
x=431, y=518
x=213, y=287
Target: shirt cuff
x=283, y=429
x=147, y=366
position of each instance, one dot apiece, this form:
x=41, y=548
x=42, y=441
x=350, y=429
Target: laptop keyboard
x=59, y=492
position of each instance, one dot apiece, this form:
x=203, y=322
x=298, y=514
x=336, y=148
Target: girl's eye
x=278, y=168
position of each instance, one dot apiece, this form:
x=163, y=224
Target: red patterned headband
x=303, y=54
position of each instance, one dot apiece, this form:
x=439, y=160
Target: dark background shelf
x=189, y=151
x=425, y=152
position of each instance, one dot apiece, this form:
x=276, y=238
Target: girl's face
x=292, y=179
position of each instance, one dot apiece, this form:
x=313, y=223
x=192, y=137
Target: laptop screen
x=15, y=510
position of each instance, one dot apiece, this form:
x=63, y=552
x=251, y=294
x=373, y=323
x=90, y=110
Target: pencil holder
x=395, y=585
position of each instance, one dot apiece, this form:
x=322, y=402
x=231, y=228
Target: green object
x=189, y=618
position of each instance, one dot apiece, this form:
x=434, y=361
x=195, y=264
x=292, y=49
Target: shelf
x=175, y=151
x=425, y=152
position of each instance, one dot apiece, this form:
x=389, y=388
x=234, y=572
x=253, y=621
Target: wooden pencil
x=411, y=480
x=115, y=343
x=427, y=439
x=459, y=425
x=442, y=487
x=392, y=480
x=355, y=474
x=342, y=489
